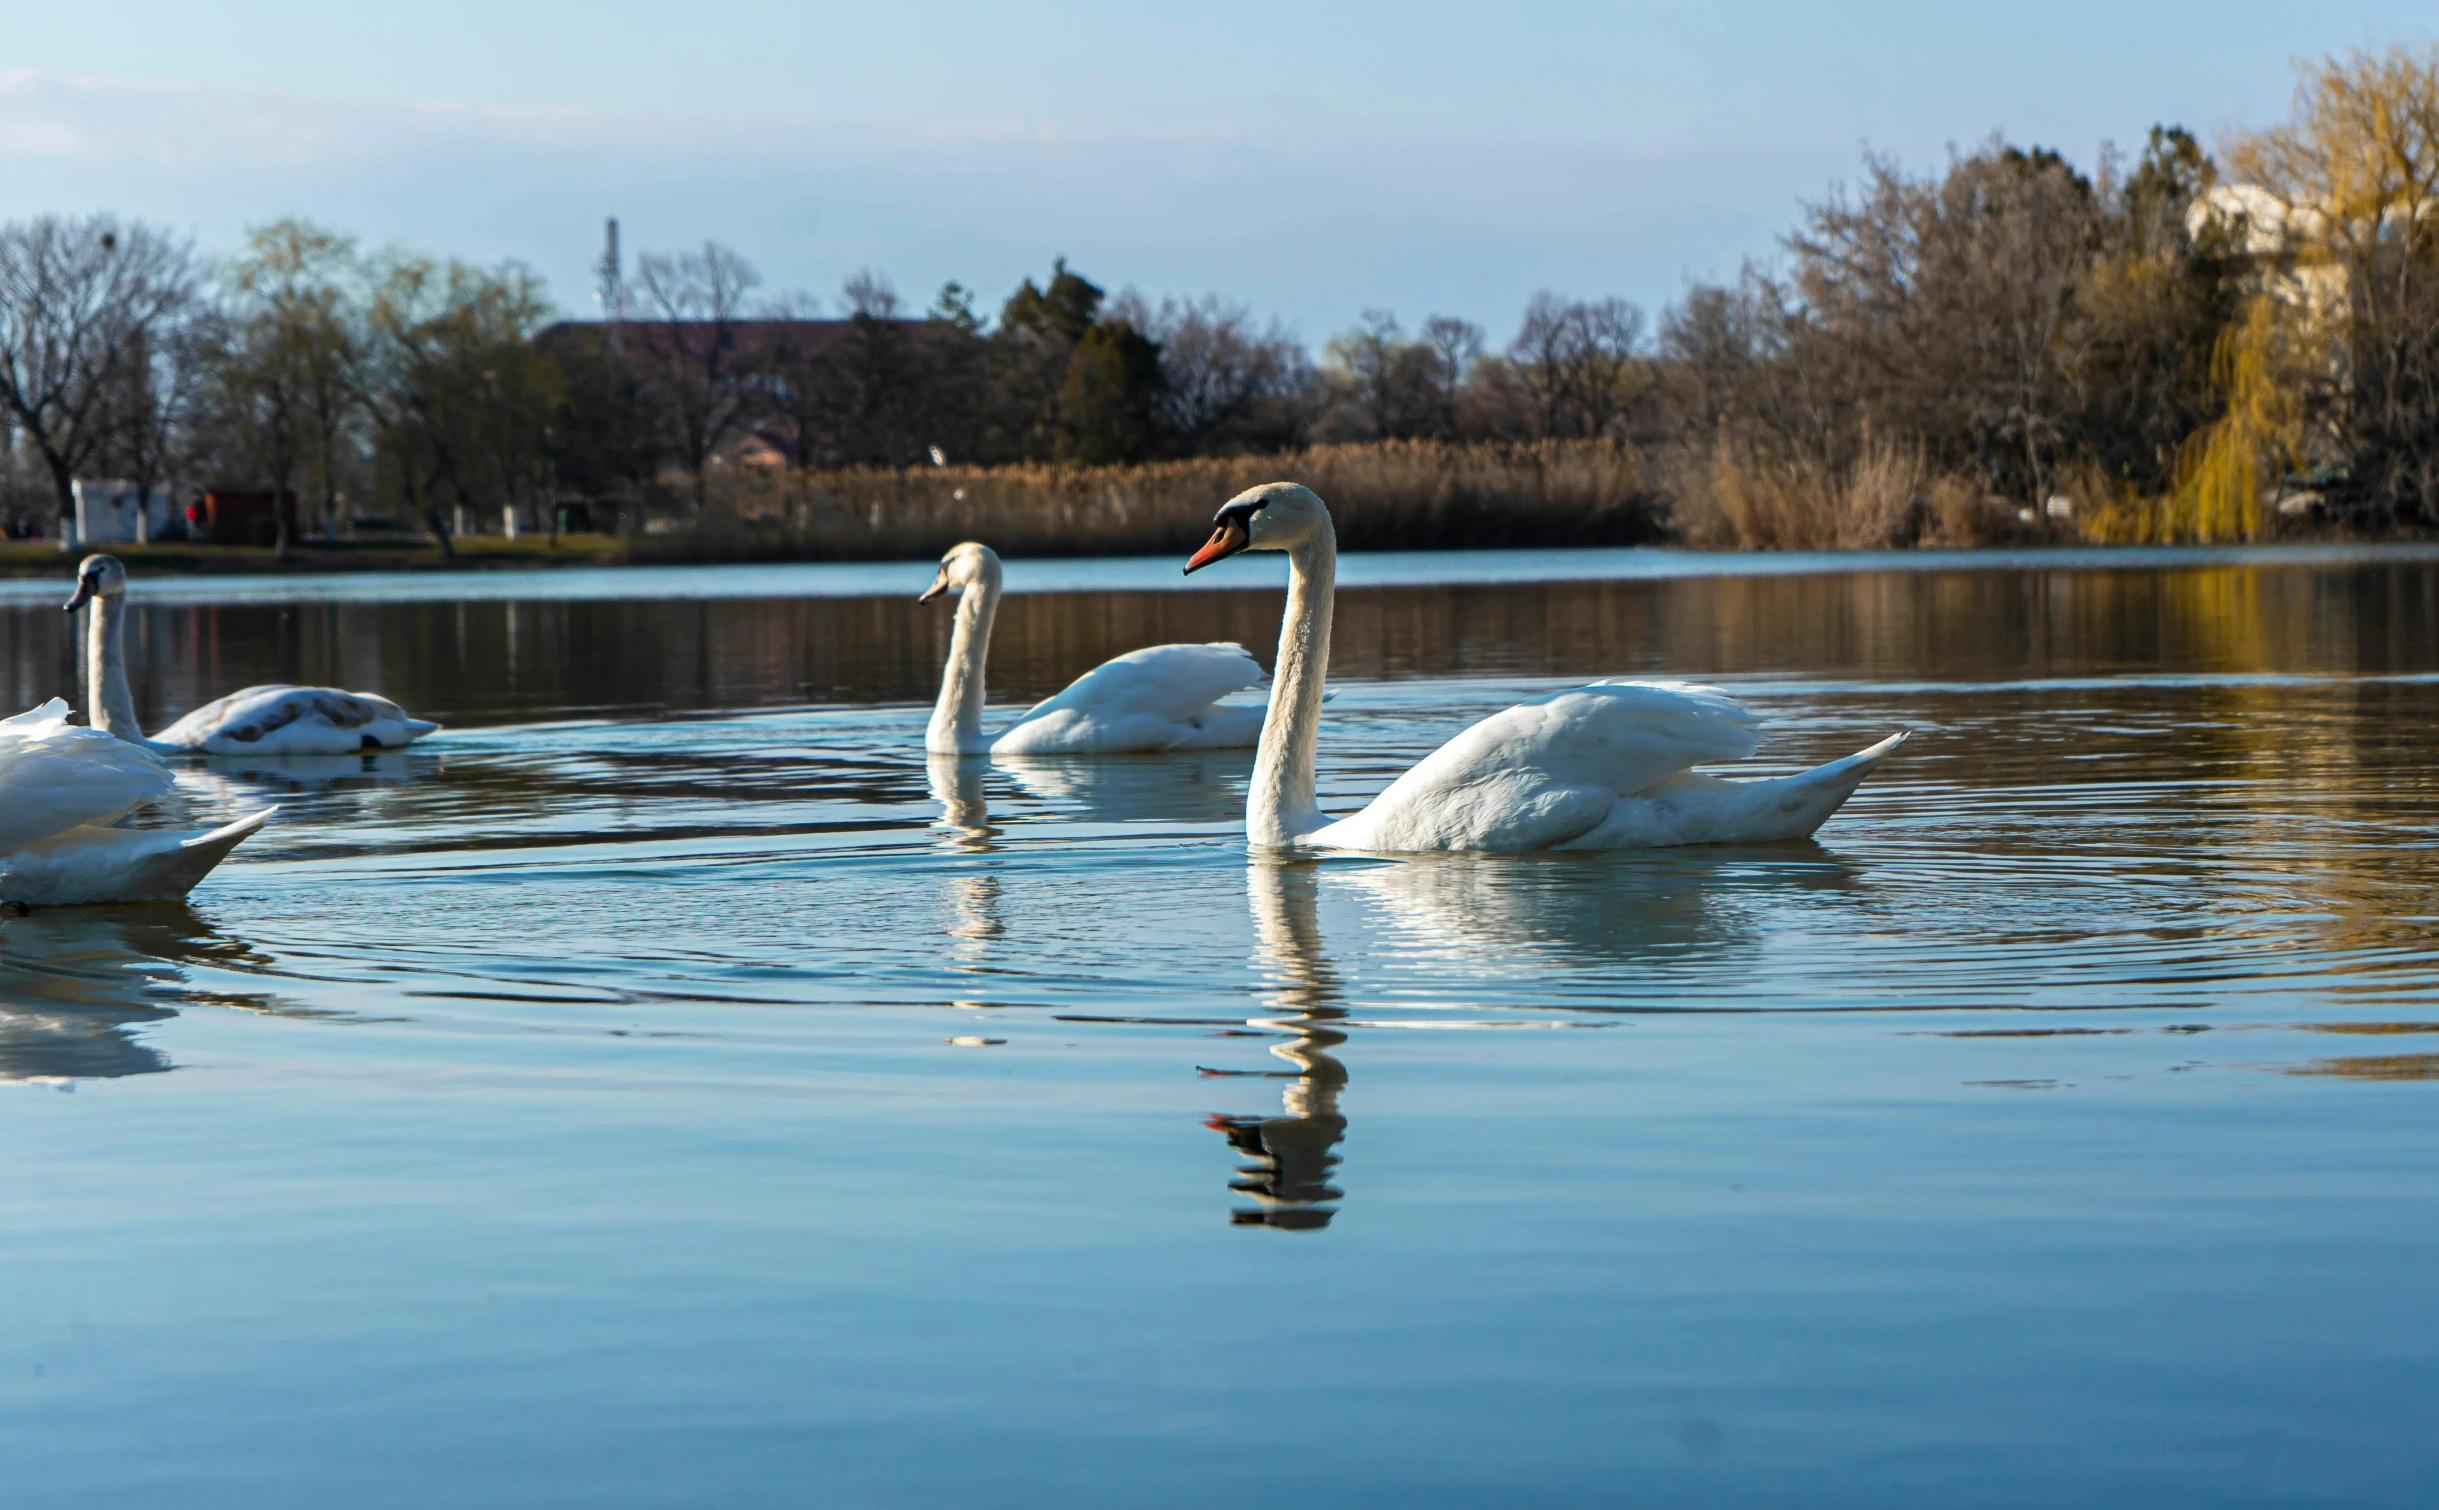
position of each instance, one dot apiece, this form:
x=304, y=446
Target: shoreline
x=43, y=560
x=569, y=580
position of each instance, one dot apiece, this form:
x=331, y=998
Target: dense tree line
x=298, y=367
x=2175, y=349
x=2172, y=347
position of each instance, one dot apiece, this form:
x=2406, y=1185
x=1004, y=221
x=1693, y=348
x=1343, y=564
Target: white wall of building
x=112, y=512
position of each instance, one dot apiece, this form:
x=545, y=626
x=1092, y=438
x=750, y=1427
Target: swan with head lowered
x=1157, y=698
x=61, y=787
x=1609, y=766
x=267, y=720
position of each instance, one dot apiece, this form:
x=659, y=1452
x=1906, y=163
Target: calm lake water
x=667, y=1088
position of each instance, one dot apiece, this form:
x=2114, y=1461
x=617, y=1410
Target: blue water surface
x=717, y=1103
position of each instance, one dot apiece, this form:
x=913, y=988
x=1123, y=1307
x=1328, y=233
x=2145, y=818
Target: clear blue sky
x=1311, y=159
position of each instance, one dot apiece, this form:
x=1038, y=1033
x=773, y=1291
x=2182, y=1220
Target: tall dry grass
x=1738, y=497
x=1392, y=495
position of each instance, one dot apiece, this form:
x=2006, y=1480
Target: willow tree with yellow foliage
x=2335, y=368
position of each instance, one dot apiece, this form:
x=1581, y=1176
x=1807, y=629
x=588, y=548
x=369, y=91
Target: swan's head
x=967, y=565
x=1277, y=516
x=97, y=577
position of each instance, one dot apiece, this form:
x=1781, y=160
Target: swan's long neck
x=107, y=701
x=1280, y=807
x=956, y=727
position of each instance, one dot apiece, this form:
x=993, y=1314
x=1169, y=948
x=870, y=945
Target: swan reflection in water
x=1645, y=908
x=1291, y=1158
x=964, y=826
x=1205, y=786
x=76, y=982
x=965, y=810
x=233, y=776
x=1701, y=908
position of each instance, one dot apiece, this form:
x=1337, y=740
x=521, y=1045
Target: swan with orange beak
x=1608, y=766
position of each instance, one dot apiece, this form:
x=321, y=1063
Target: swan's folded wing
x=285, y=720
x=56, y=776
x=1173, y=682
x=1542, y=772
x=189, y=732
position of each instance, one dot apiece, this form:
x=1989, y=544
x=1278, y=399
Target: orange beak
x=939, y=586
x=1225, y=541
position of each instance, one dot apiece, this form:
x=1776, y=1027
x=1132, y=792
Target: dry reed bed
x=1738, y=498
x=1396, y=495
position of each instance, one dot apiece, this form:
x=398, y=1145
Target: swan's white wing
x=54, y=711
x=89, y=864
x=56, y=776
x=284, y=720
x=1167, y=681
x=1146, y=699
x=1544, y=772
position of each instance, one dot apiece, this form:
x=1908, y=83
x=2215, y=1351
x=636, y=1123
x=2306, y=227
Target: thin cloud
x=551, y=113
x=39, y=139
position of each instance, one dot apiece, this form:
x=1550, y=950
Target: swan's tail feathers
x=417, y=728
x=1807, y=798
x=216, y=843
x=173, y=873
x=88, y=864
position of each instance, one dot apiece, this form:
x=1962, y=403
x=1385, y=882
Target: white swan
x=61, y=787
x=1157, y=698
x=1601, y=767
x=266, y=720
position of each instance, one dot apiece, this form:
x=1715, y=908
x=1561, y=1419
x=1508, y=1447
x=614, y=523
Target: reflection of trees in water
x=481, y=662
x=75, y=982
x=1290, y=1158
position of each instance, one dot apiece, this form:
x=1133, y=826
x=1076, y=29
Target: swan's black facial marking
x=1231, y=532
x=88, y=583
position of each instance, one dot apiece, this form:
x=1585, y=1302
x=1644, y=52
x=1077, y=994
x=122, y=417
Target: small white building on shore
x=112, y=511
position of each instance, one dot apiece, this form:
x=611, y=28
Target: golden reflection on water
x=2375, y=1067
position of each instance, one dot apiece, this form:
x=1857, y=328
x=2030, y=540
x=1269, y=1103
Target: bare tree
x=868, y=381
x=1456, y=348
x=694, y=359
x=287, y=388
x=157, y=406
x=82, y=303
x=1386, y=387
x=1227, y=385
x=461, y=397
x=1581, y=360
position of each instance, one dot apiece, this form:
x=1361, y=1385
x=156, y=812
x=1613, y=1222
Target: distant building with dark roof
x=749, y=344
